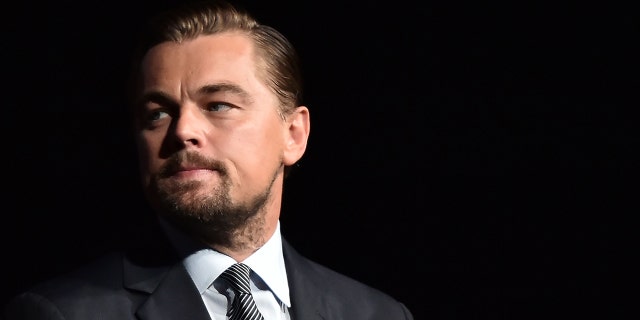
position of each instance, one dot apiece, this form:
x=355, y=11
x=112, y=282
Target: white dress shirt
x=269, y=285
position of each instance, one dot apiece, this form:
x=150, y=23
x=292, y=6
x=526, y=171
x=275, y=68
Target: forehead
x=217, y=50
x=228, y=57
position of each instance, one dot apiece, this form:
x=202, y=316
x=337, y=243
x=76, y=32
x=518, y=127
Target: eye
x=218, y=106
x=153, y=117
x=156, y=115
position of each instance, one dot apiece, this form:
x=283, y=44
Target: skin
x=211, y=143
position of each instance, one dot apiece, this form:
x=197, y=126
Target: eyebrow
x=157, y=97
x=225, y=87
x=164, y=98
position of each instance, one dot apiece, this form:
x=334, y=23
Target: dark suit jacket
x=151, y=284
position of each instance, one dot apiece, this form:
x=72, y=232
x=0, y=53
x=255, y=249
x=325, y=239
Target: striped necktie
x=243, y=306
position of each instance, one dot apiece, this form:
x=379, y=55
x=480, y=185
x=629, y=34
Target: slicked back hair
x=277, y=59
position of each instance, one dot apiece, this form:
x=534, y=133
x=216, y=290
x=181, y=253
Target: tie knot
x=238, y=276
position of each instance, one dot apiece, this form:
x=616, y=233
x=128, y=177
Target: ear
x=298, y=126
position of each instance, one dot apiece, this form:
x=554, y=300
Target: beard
x=210, y=215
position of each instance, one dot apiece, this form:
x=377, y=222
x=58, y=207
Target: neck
x=242, y=243
x=247, y=240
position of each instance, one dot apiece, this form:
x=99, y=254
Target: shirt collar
x=205, y=265
x=268, y=263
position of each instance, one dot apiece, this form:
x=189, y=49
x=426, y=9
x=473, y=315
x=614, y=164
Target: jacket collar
x=163, y=284
x=163, y=305
x=155, y=272
x=163, y=278
x=306, y=303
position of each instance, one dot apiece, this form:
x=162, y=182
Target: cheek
x=145, y=148
x=148, y=160
x=267, y=141
x=257, y=148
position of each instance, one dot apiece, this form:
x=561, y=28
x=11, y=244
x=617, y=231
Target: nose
x=191, y=127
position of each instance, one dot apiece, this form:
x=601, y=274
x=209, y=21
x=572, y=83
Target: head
x=218, y=120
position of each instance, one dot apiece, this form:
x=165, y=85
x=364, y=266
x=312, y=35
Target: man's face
x=210, y=139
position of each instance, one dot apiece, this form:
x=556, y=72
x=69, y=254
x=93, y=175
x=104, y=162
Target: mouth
x=192, y=172
x=186, y=167
x=191, y=164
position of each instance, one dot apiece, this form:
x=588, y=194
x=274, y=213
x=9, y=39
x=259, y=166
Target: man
x=218, y=122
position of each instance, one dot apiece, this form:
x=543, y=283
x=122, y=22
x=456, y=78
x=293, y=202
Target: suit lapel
x=306, y=302
x=175, y=297
x=165, y=289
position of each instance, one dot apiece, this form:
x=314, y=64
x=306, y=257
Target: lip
x=194, y=172
x=189, y=167
x=174, y=168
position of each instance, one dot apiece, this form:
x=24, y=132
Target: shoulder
x=67, y=293
x=99, y=272
x=341, y=294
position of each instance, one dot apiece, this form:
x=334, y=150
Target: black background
x=472, y=159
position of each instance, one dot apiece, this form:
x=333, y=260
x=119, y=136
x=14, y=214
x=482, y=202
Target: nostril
x=191, y=141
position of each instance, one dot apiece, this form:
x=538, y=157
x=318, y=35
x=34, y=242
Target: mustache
x=179, y=160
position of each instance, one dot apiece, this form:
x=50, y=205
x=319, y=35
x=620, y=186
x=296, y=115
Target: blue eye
x=218, y=106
